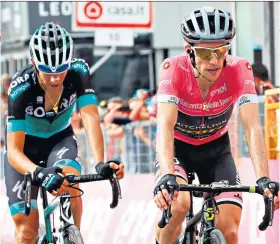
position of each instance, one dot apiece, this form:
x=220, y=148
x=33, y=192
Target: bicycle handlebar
x=219, y=187
x=116, y=189
x=27, y=189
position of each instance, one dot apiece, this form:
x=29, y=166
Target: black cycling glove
x=104, y=168
x=48, y=178
x=265, y=182
x=168, y=182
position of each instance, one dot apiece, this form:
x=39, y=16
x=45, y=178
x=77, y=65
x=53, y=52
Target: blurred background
x=124, y=44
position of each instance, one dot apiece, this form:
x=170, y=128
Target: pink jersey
x=202, y=121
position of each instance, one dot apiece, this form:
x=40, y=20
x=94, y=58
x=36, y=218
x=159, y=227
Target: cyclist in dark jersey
x=196, y=96
x=40, y=138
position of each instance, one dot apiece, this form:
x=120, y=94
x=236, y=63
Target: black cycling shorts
x=60, y=149
x=212, y=162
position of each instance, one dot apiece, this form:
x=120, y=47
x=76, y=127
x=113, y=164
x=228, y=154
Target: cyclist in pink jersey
x=197, y=92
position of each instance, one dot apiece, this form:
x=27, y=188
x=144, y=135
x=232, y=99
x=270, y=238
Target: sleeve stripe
x=87, y=99
x=15, y=125
x=163, y=98
x=247, y=98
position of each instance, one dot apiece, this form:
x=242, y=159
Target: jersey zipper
x=204, y=108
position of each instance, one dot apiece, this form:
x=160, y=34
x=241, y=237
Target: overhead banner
x=92, y=15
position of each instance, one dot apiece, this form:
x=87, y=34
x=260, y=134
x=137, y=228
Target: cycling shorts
x=60, y=149
x=212, y=162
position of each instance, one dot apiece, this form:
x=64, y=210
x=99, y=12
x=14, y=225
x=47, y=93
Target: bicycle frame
x=65, y=215
x=64, y=202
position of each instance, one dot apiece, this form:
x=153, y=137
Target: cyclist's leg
x=65, y=155
x=26, y=228
x=230, y=204
x=179, y=209
x=222, y=167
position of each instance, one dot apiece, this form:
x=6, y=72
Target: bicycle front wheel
x=74, y=236
x=217, y=237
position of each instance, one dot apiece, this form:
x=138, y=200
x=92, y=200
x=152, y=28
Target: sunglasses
x=48, y=70
x=207, y=52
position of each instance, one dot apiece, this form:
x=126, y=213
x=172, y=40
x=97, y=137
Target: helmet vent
x=222, y=23
x=67, y=53
x=190, y=24
x=51, y=34
x=212, y=24
x=44, y=44
x=53, y=60
x=45, y=59
x=38, y=55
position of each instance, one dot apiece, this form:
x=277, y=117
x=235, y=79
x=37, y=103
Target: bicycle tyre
x=217, y=237
x=74, y=236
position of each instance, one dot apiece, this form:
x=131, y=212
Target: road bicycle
x=68, y=233
x=208, y=234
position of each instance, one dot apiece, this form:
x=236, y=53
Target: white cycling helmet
x=51, y=48
x=207, y=24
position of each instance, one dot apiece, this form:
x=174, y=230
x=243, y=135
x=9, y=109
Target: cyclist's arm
x=87, y=105
x=16, y=157
x=90, y=118
x=18, y=98
x=167, y=112
x=166, y=120
x=250, y=118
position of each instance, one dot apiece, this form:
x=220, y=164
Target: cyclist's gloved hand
x=165, y=186
x=264, y=183
x=48, y=178
x=105, y=169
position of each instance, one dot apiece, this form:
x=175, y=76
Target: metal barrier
x=136, y=148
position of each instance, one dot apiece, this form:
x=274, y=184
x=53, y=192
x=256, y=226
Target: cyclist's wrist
x=32, y=169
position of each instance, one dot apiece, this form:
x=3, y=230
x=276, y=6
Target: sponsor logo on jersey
x=72, y=99
x=80, y=65
x=219, y=90
x=173, y=100
x=19, y=90
x=37, y=112
x=192, y=126
x=247, y=82
x=243, y=100
x=249, y=67
x=203, y=127
x=183, y=68
x=247, y=98
x=15, y=75
x=40, y=99
x=211, y=105
x=163, y=98
x=17, y=82
x=237, y=195
x=89, y=90
x=165, y=82
x=166, y=65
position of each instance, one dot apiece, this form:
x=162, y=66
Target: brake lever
x=269, y=208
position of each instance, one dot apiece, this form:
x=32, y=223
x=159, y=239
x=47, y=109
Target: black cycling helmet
x=51, y=45
x=207, y=24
